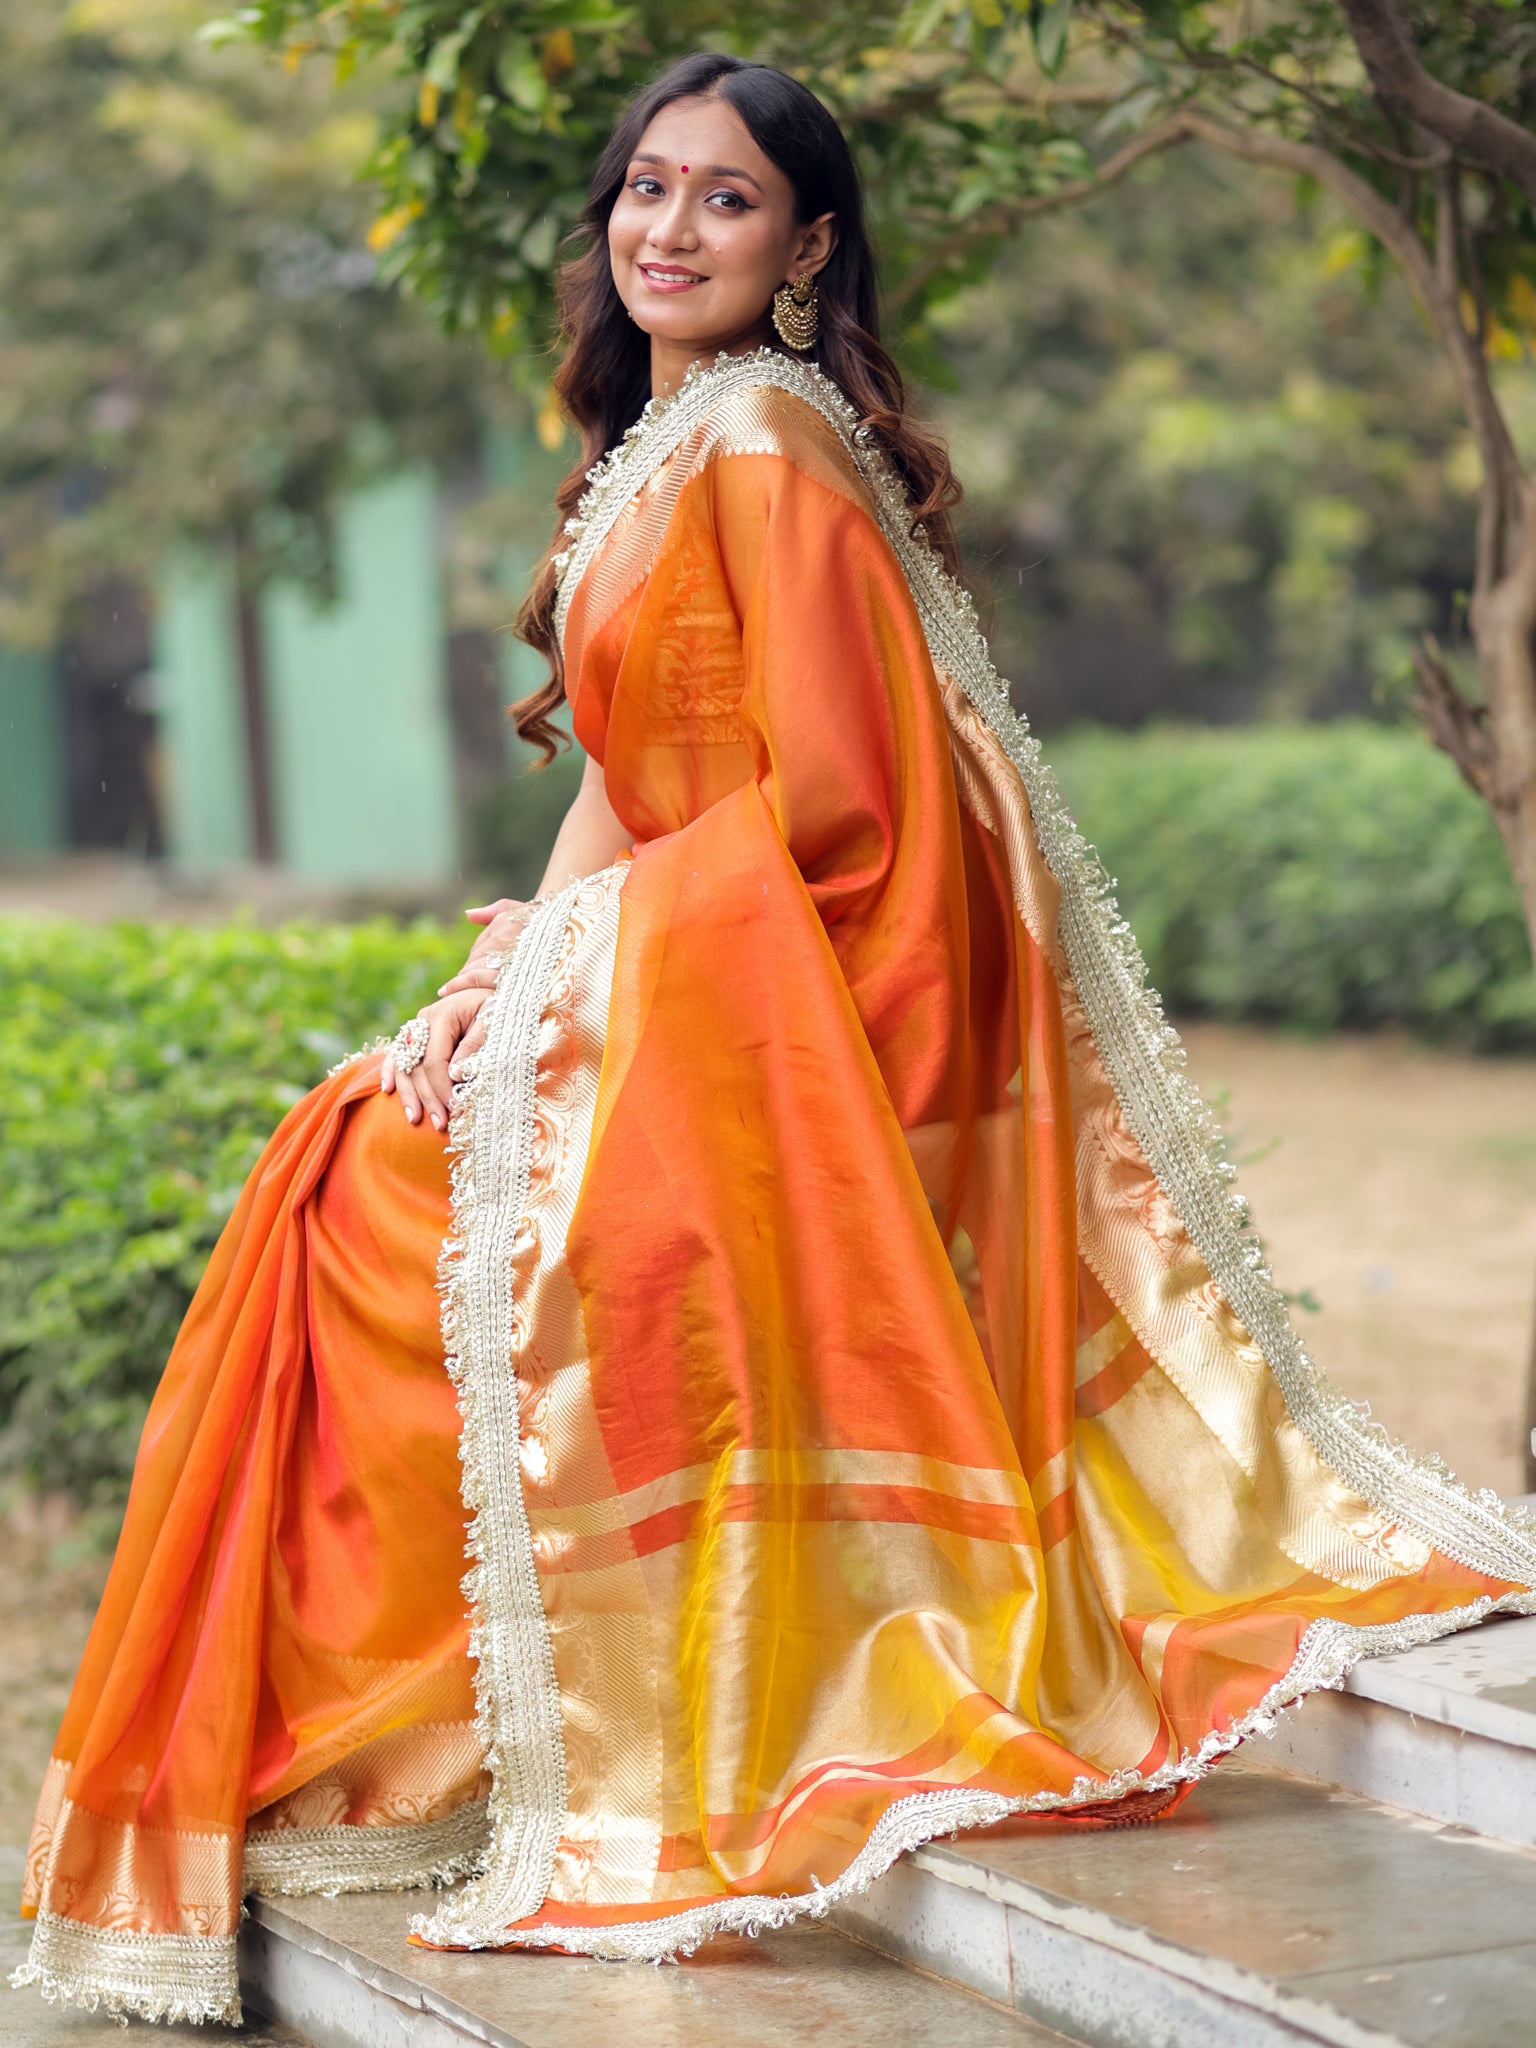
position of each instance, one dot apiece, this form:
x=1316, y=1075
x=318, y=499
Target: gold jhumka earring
x=797, y=314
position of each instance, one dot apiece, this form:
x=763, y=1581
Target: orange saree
x=874, y=1416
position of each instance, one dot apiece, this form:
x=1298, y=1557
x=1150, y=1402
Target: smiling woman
x=724, y=234
x=874, y=1416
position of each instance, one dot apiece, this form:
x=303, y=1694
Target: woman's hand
x=454, y=1032
x=454, y=1027
x=503, y=922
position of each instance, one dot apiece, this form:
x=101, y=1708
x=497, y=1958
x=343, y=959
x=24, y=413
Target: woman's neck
x=672, y=360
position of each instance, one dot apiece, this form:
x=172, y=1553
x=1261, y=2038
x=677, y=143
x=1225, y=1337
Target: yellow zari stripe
x=771, y=1468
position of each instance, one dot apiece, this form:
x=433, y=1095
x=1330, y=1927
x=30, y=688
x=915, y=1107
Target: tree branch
x=1440, y=297
x=1457, y=727
x=1334, y=117
x=1387, y=50
x=1048, y=96
x=1001, y=220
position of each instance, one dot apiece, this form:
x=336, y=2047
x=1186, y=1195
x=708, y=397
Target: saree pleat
x=281, y=1645
x=875, y=1415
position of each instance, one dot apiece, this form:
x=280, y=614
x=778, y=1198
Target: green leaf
x=1049, y=22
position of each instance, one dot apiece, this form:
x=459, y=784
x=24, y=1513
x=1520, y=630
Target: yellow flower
x=559, y=52
x=391, y=225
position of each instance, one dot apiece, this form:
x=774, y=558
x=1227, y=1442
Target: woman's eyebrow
x=730, y=171
x=644, y=156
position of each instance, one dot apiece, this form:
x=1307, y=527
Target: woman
x=874, y=1416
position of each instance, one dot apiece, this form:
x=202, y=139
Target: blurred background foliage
x=147, y=1067
x=1320, y=877
x=1219, y=467
x=195, y=345
x=1323, y=877
x=1214, y=463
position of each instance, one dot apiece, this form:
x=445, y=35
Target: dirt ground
x=1395, y=1185
x=48, y=1593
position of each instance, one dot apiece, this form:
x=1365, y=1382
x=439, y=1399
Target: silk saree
x=866, y=1405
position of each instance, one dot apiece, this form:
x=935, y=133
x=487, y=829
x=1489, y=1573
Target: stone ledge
x=339, y=1972
x=1268, y=1911
x=1447, y=1730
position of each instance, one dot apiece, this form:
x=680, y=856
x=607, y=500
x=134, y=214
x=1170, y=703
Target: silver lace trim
x=1140, y=1050
x=149, y=1976
x=295, y=1863
x=353, y=1059
x=517, y=1700
x=1326, y=1653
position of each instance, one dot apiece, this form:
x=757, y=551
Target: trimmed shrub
x=1326, y=877
x=1318, y=877
x=144, y=1068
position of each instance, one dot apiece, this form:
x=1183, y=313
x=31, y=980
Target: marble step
x=1448, y=1730
x=339, y=1973
x=1268, y=1911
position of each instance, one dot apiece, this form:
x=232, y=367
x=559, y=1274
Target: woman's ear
x=815, y=245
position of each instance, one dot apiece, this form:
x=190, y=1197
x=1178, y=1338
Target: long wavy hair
x=604, y=379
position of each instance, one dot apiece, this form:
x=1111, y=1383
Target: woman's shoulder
x=774, y=407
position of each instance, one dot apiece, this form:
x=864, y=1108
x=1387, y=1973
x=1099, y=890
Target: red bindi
x=685, y=170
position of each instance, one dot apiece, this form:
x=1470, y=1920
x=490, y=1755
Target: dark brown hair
x=605, y=377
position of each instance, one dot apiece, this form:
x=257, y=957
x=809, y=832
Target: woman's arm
x=590, y=839
x=590, y=836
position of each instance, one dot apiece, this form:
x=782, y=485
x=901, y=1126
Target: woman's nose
x=673, y=227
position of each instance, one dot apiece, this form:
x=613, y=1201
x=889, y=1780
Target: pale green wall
x=357, y=710
x=516, y=460
x=202, y=716
x=31, y=754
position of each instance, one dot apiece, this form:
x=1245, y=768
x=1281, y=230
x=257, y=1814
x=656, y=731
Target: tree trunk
x=1504, y=628
x=253, y=696
x=1494, y=743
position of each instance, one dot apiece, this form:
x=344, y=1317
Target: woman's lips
x=664, y=278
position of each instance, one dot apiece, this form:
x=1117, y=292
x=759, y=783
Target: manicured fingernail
x=413, y=1115
x=454, y=1073
x=444, y=989
x=437, y=1122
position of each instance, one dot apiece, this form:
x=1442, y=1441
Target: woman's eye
x=647, y=186
x=729, y=202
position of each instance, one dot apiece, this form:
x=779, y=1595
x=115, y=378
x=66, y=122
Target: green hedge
x=1315, y=877
x=144, y=1069
x=1324, y=877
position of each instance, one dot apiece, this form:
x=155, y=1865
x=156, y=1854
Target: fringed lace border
x=295, y=1863
x=1328, y=1651
x=1142, y=1054
x=146, y=1976
x=194, y=1976
x=517, y=1698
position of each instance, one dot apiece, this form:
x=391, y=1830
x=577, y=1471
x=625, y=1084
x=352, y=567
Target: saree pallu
x=874, y=1414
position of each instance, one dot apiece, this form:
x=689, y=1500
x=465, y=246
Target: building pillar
x=199, y=698
x=31, y=754
x=357, y=705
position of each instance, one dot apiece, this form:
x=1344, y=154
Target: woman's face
x=704, y=231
